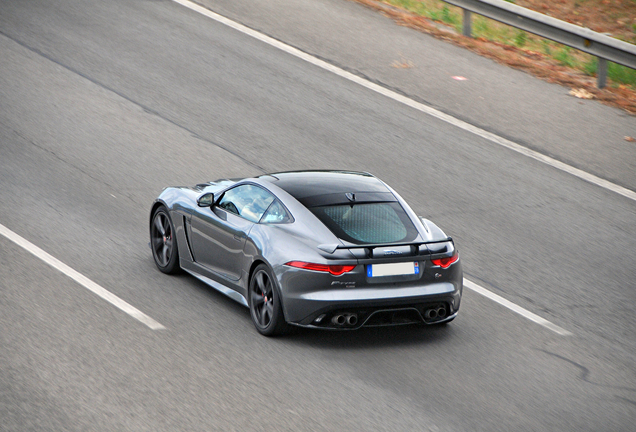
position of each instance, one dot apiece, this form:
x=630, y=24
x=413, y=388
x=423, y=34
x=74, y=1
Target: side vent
x=186, y=230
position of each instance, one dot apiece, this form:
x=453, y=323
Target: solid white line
x=80, y=278
x=515, y=308
x=413, y=104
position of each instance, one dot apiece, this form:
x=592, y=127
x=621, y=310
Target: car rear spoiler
x=331, y=248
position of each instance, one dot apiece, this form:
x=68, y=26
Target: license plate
x=393, y=269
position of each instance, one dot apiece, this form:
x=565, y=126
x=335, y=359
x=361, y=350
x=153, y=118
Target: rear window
x=380, y=222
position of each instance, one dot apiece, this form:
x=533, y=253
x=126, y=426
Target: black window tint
x=276, y=213
x=368, y=223
x=248, y=201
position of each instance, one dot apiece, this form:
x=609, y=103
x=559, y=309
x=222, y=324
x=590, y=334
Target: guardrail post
x=601, y=73
x=605, y=48
x=466, y=25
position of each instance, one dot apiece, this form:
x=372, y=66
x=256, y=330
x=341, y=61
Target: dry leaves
x=402, y=64
x=539, y=65
x=581, y=93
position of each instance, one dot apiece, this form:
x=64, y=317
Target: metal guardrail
x=604, y=47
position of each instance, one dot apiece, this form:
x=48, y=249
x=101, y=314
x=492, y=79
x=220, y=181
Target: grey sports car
x=321, y=249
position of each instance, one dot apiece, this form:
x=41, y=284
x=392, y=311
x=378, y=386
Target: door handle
x=238, y=237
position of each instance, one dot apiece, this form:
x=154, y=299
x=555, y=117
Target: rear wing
x=415, y=246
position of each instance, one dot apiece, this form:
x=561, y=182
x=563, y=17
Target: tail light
x=445, y=262
x=335, y=270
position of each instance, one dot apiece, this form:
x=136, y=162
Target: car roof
x=313, y=188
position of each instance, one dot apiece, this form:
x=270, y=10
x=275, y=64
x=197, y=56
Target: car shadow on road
x=363, y=338
x=374, y=337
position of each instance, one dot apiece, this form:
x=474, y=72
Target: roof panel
x=304, y=184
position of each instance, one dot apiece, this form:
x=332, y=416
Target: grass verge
x=543, y=58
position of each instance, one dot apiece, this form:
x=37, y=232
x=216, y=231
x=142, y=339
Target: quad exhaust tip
x=349, y=319
x=338, y=320
x=434, y=313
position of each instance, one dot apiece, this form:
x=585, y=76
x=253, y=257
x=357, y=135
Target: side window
x=276, y=213
x=248, y=201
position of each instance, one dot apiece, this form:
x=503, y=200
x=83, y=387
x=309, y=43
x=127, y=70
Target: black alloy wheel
x=265, y=306
x=163, y=242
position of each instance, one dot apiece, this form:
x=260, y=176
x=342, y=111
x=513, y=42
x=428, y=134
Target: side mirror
x=206, y=200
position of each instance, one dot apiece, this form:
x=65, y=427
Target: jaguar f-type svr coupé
x=320, y=249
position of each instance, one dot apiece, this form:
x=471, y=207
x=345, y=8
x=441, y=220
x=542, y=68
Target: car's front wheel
x=163, y=242
x=265, y=304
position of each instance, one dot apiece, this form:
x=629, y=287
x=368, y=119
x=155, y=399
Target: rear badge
x=345, y=284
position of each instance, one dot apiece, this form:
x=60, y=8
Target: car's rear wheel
x=163, y=242
x=265, y=304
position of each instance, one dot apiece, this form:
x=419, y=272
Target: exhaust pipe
x=338, y=320
x=438, y=312
x=352, y=319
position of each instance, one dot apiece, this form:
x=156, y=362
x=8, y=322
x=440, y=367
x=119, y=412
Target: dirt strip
x=535, y=63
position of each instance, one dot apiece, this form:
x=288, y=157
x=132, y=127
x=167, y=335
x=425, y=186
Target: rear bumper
x=374, y=306
x=365, y=323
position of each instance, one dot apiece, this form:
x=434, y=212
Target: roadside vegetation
x=542, y=57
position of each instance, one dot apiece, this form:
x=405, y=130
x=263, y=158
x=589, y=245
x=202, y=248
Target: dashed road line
x=81, y=279
x=515, y=308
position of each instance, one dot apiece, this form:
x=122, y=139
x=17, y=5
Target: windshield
x=379, y=222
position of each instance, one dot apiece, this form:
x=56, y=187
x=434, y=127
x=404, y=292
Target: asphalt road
x=102, y=104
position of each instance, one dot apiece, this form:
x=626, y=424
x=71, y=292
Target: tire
x=163, y=242
x=266, y=308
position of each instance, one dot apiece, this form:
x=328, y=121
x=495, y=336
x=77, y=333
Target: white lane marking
x=413, y=104
x=80, y=278
x=439, y=115
x=515, y=308
x=154, y=325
